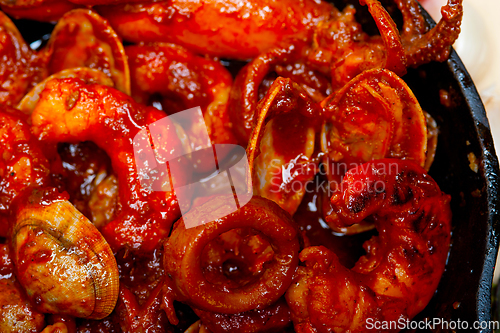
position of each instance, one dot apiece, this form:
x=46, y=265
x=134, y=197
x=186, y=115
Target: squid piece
x=71, y=111
x=145, y=318
x=81, y=169
x=82, y=38
x=38, y=10
x=20, y=68
x=23, y=3
x=233, y=29
x=228, y=284
x=282, y=144
x=403, y=264
x=61, y=259
x=374, y=116
x=246, y=92
x=179, y=80
x=102, y=2
x=341, y=49
x=23, y=165
x=140, y=303
x=423, y=46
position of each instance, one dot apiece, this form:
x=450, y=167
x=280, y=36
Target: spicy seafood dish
x=341, y=227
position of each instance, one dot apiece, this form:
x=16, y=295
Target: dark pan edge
x=489, y=164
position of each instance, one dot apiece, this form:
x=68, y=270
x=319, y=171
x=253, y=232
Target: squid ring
x=184, y=248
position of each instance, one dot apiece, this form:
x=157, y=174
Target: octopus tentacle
x=39, y=10
x=395, y=60
x=270, y=272
x=147, y=317
x=341, y=49
x=435, y=44
x=245, y=93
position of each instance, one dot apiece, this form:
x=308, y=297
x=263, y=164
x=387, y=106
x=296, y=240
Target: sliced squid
x=282, y=144
x=71, y=111
x=230, y=29
x=38, y=10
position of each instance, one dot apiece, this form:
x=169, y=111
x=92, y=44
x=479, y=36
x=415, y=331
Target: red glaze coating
x=185, y=247
x=110, y=119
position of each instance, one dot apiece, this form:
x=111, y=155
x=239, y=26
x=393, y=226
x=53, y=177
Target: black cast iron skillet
x=463, y=296
x=464, y=293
